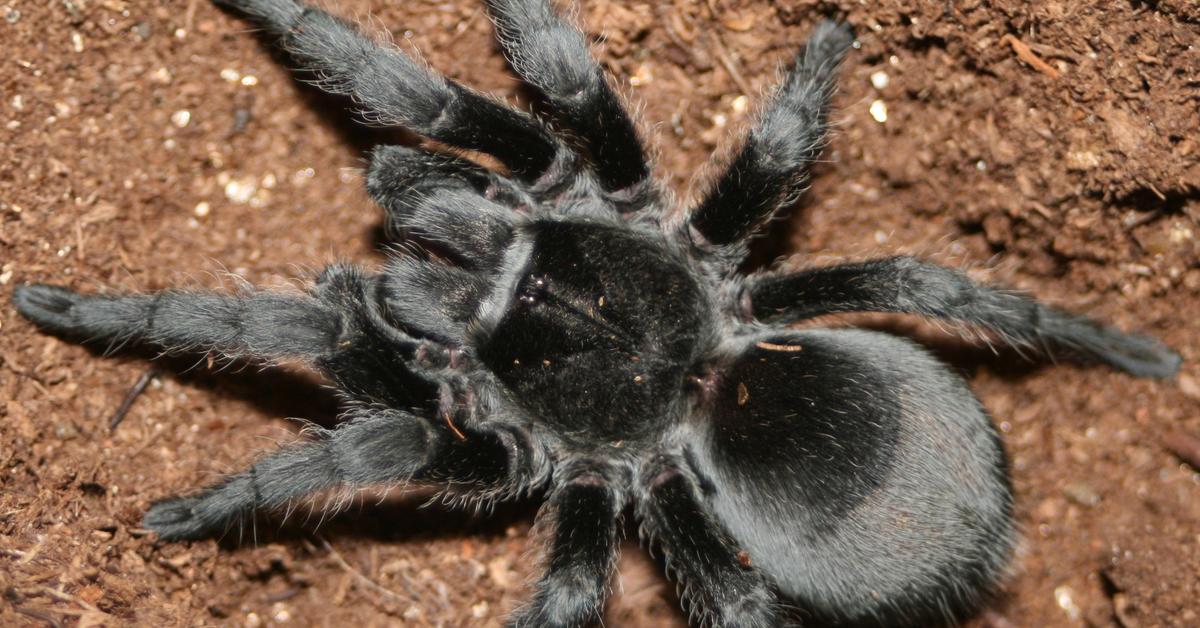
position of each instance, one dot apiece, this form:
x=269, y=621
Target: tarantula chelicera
x=575, y=338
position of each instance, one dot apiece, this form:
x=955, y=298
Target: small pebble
x=1050, y=509
x=1082, y=494
x=300, y=177
x=77, y=42
x=11, y=15
x=880, y=80
x=249, y=80
x=1188, y=385
x=280, y=613
x=1082, y=160
x=740, y=104
x=202, y=209
x=1180, y=234
x=231, y=75
x=641, y=76
x=181, y=118
x=879, y=111
x=240, y=190
x=1064, y=596
x=65, y=431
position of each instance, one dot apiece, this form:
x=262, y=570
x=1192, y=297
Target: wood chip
x=1026, y=54
x=1185, y=446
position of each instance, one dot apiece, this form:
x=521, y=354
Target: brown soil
x=1076, y=178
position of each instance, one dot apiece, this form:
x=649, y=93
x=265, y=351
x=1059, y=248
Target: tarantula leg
x=339, y=327
x=583, y=551
x=380, y=447
x=397, y=171
x=392, y=88
x=434, y=300
x=772, y=167
x=717, y=583
x=385, y=447
x=907, y=285
x=552, y=55
x=373, y=360
x=445, y=200
x=251, y=325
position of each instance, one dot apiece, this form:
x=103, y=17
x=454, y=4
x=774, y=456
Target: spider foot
x=1136, y=354
x=178, y=519
x=49, y=307
x=831, y=38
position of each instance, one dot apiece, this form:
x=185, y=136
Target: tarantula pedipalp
x=575, y=340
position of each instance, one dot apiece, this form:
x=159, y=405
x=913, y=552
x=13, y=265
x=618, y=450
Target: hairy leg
x=339, y=327
x=259, y=325
x=907, y=285
x=447, y=201
x=583, y=552
x=771, y=169
x=552, y=55
x=384, y=447
x=435, y=300
x=394, y=89
x=374, y=360
x=719, y=589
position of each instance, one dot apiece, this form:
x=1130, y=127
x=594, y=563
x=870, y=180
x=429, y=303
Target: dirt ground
x=1051, y=146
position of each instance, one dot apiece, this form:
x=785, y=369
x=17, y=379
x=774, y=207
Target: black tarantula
x=576, y=338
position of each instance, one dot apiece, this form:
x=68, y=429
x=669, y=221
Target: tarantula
x=575, y=338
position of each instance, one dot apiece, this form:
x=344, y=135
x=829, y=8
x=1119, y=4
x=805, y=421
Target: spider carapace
x=589, y=320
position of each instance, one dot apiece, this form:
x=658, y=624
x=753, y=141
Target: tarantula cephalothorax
x=574, y=340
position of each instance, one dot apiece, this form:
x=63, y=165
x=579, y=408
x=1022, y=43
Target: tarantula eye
x=533, y=289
